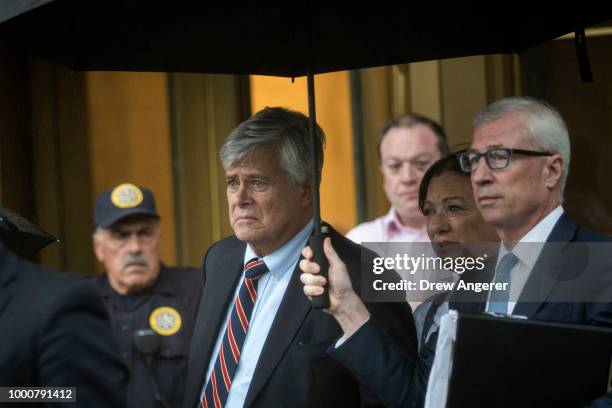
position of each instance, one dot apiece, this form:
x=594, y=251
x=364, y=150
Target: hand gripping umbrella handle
x=316, y=244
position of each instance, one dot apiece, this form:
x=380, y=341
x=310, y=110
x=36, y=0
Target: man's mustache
x=138, y=259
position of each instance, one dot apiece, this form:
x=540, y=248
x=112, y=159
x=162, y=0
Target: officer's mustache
x=135, y=259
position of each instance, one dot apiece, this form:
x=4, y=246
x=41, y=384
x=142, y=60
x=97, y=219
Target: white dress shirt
x=527, y=250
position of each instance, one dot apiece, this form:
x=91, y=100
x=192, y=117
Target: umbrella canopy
x=20, y=235
x=279, y=38
x=282, y=38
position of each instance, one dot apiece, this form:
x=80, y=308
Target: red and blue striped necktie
x=220, y=381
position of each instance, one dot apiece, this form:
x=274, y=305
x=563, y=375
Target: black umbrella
x=278, y=38
x=281, y=38
x=20, y=235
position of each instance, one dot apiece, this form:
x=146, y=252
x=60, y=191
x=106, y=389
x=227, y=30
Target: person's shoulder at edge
x=54, y=290
x=76, y=324
x=70, y=320
x=45, y=281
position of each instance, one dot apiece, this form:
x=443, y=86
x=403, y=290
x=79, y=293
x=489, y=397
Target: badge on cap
x=165, y=320
x=126, y=196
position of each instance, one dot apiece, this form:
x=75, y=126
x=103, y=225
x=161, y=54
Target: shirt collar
x=528, y=249
x=279, y=260
x=393, y=224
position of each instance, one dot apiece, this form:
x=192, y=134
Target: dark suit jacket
x=563, y=286
x=405, y=382
x=55, y=332
x=293, y=369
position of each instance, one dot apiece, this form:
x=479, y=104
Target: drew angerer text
x=425, y=264
x=424, y=284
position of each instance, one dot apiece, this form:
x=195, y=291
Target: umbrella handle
x=316, y=244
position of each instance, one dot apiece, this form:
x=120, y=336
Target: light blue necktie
x=498, y=299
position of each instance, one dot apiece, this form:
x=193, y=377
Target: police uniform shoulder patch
x=126, y=196
x=165, y=320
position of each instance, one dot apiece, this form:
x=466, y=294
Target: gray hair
x=279, y=128
x=545, y=128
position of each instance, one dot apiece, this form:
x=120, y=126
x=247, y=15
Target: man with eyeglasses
x=518, y=163
x=152, y=307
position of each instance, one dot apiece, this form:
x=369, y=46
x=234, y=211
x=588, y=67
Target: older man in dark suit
x=518, y=163
x=257, y=341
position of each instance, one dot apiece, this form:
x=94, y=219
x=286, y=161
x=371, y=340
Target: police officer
x=152, y=307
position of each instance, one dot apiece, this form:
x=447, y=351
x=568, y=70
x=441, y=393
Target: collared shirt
x=387, y=229
x=270, y=291
x=527, y=250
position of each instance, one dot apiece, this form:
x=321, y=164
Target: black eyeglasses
x=496, y=159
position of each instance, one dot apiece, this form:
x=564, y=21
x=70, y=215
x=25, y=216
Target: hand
x=345, y=305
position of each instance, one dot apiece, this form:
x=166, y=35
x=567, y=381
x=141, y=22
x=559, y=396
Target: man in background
x=152, y=307
x=408, y=146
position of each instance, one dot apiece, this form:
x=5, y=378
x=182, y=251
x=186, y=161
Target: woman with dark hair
x=446, y=199
x=454, y=224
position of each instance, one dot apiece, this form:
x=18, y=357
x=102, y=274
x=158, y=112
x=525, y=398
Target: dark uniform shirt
x=178, y=289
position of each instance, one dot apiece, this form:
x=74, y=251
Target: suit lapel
x=218, y=292
x=547, y=269
x=292, y=311
x=541, y=281
x=549, y=265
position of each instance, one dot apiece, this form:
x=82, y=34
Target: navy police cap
x=122, y=201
